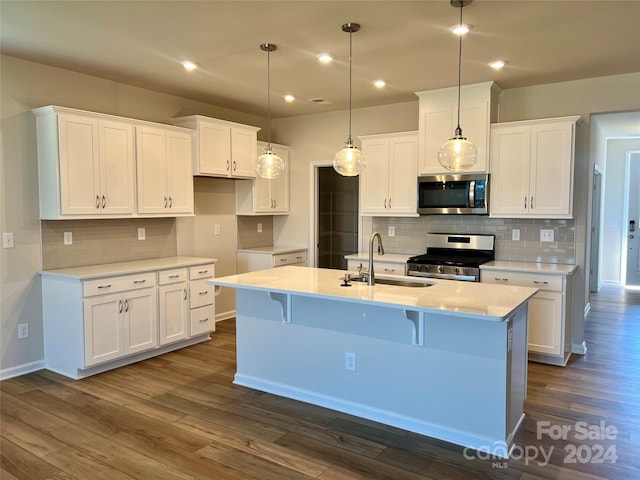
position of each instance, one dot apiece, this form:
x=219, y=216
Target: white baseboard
x=580, y=349
x=225, y=315
x=7, y=373
x=587, y=309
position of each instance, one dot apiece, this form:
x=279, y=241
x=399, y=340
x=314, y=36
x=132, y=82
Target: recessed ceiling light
x=498, y=64
x=461, y=29
x=325, y=57
x=189, y=66
x=289, y=98
x=379, y=83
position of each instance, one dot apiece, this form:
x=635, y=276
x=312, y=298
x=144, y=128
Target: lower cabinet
x=250, y=260
x=549, y=331
x=379, y=267
x=95, y=324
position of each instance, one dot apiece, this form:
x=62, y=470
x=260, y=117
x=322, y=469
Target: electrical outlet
x=546, y=234
x=216, y=229
x=142, y=234
x=7, y=240
x=259, y=228
x=23, y=330
x=392, y=231
x=350, y=361
x=68, y=238
x=515, y=234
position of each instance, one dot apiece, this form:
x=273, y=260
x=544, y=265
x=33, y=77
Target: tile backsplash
x=248, y=235
x=410, y=237
x=106, y=241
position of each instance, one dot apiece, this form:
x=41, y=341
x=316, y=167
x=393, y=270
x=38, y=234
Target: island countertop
x=467, y=299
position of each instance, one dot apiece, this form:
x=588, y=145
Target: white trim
x=587, y=309
x=476, y=442
x=7, y=373
x=225, y=315
x=580, y=349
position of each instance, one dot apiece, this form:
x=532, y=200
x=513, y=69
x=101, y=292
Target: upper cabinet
x=165, y=182
x=388, y=185
x=439, y=118
x=222, y=148
x=91, y=166
x=532, y=165
x=86, y=165
x=263, y=196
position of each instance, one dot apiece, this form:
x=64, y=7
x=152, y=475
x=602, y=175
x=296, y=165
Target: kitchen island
x=447, y=360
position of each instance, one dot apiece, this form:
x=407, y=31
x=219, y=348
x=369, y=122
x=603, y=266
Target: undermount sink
x=398, y=282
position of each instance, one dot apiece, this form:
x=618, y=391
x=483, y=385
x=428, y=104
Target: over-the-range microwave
x=464, y=194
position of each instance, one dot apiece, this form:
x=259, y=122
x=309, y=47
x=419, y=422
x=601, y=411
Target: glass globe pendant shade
x=349, y=161
x=458, y=153
x=269, y=165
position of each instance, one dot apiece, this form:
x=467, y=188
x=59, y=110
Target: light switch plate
x=392, y=231
x=259, y=228
x=68, y=238
x=515, y=234
x=217, y=229
x=7, y=240
x=546, y=234
x=142, y=234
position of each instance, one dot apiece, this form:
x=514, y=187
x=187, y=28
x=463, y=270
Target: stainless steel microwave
x=463, y=194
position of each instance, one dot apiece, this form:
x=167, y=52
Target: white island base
x=449, y=375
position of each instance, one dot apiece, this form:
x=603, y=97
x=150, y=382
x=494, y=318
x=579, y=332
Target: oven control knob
x=457, y=271
x=425, y=268
x=441, y=269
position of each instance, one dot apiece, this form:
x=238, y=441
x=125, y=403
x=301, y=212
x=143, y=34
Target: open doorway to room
x=336, y=217
x=632, y=217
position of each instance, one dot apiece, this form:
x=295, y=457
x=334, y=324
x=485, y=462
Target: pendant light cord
x=269, y=98
x=350, y=80
x=459, y=130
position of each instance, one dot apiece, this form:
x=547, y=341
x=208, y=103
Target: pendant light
x=269, y=165
x=349, y=161
x=458, y=153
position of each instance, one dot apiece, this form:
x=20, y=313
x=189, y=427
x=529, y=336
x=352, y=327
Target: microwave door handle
x=472, y=194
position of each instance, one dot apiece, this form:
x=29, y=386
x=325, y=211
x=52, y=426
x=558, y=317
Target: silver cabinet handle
x=185, y=293
x=389, y=269
x=97, y=201
x=532, y=203
x=204, y=320
x=104, y=201
x=120, y=306
x=540, y=283
x=298, y=258
x=126, y=305
x=525, y=203
x=501, y=279
x=165, y=202
x=385, y=203
x=137, y=282
x=104, y=286
x=203, y=293
x=389, y=202
x=170, y=202
x=234, y=165
x=228, y=164
x=283, y=260
x=174, y=276
x=202, y=272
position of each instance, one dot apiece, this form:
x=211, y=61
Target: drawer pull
x=185, y=293
x=283, y=259
x=139, y=281
x=174, y=276
x=298, y=258
x=203, y=293
x=204, y=320
x=389, y=269
x=540, y=283
x=104, y=286
x=501, y=279
x=202, y=272
x=120, y=305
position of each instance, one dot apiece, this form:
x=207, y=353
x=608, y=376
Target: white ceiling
x=407, y=43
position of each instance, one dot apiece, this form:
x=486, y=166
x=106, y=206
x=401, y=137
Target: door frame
x=312, y=258
x=625, y=234
x=596, y=229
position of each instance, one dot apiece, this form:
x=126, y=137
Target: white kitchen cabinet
x=263, y=196
x=222, y=148
x=532, y=166
x=100, y=317
x=379, y=267
x=550, y=311
x=438, y=119
x=262, y=258
x=388, y=185
x=86, y=164
x=165, y=182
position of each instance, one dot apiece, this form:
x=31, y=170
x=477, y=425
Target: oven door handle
x=444, y=276
x=472, y=193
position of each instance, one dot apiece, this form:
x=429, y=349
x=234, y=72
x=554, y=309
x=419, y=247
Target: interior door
x=633, y=222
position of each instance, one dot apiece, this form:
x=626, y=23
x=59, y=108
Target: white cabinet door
x=435, y=128
x=374, y=180
x=243, y=152
x=403, y=163
x=279, y=186
x=545, y=323
x=179, y=176
x=79, y=165
x=551, y=169
x=117, y=167
x=140, y=326
x=214, y=156
x=103, y=328
x=173, y=312
x=510, y=153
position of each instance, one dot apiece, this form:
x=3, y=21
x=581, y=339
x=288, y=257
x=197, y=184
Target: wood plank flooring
x=178, y=416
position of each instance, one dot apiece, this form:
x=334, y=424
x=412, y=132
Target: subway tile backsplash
x=410, y=237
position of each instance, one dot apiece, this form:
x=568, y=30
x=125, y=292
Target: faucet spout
x=371, y=277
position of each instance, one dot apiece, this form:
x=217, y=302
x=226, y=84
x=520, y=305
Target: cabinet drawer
x=290, y=258
x=201, y=293
x=176, y=275
x=543, y=282
x=118, y=284
x=202, y=271
x=202, y=320
x=380, y=268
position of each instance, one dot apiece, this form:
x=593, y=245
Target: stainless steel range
x=453, y=256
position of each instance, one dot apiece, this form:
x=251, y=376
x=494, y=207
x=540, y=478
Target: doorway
x=632, y=204
x=336, y=218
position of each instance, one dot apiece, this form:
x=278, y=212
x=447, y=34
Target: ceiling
x=406, y=43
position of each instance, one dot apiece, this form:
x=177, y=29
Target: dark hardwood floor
x=178, y=416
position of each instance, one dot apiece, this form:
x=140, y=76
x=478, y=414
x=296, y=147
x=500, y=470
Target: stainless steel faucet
x=371, y=277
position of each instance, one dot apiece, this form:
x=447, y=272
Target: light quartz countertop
x=122, y=268
x=387, y=257
x=272, y=250
x=529, y=267
x=467, y=299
